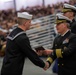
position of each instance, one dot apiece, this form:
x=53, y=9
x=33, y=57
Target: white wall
x=54, y=1
x=6, y=4
x=25, y=3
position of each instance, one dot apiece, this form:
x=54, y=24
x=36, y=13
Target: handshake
x=47, y=65
x=41, y=51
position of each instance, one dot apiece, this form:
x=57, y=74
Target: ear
x=24, y=23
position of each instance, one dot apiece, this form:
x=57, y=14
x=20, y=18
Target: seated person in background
x=2, y=43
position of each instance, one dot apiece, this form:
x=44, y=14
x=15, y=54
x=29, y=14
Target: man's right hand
x=46, y=66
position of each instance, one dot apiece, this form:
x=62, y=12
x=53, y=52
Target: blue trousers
x=55, y=67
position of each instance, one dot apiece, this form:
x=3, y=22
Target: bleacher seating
x=41, y=32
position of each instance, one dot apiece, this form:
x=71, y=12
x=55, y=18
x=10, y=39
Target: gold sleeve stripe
x=49, y=59
x=59, y=53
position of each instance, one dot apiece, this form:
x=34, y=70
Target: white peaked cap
x=69, y=6
x=24, y=15
x=62, y=17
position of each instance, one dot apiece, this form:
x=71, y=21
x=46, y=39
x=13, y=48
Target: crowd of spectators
x=8, y=18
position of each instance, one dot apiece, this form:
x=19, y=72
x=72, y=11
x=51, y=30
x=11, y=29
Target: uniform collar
x=65, y=32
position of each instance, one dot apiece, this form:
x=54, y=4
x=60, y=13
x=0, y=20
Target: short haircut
x=21, y=21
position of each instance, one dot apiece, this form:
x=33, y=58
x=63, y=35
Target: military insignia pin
x=66, y=41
